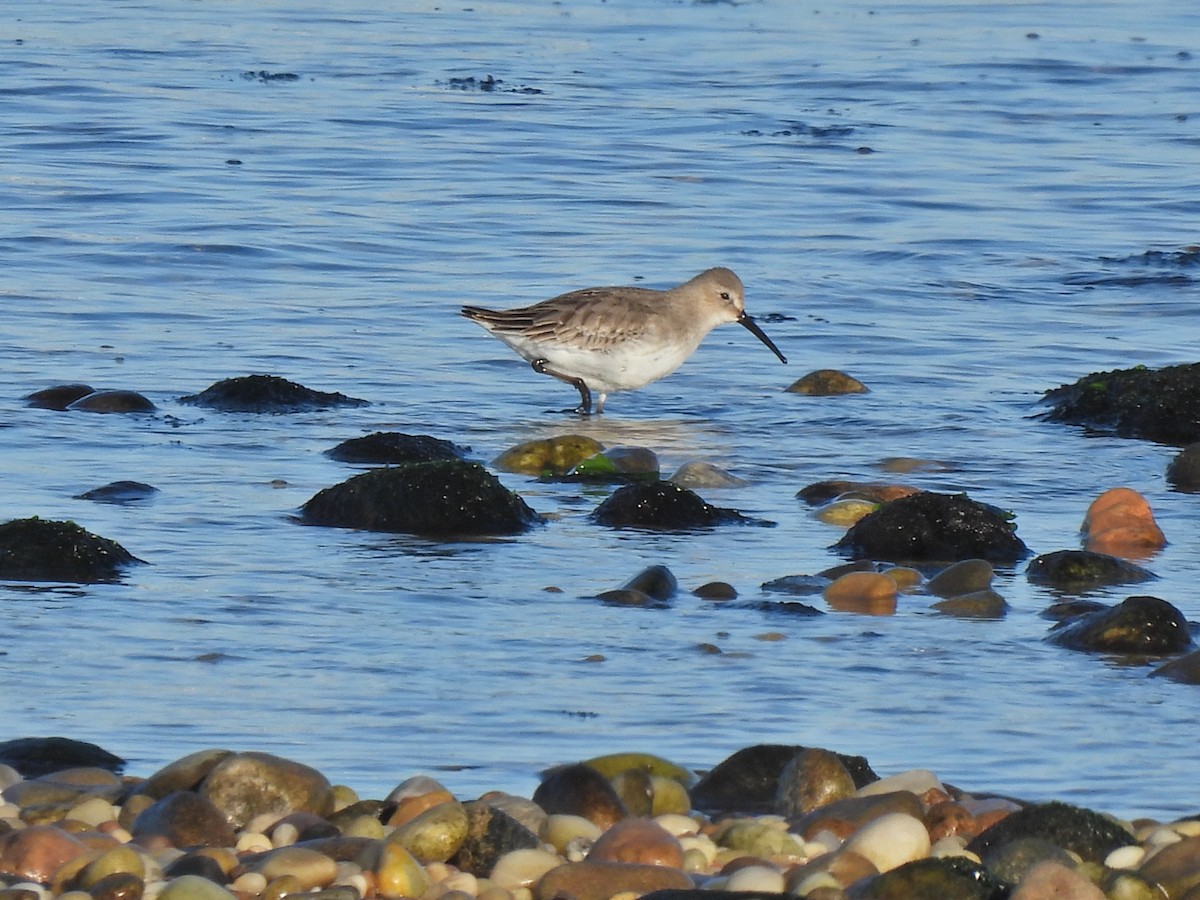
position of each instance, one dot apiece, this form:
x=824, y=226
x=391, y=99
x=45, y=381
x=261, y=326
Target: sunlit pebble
x=253, y=842
x=678, y=824
x=771, y=636
x=756, y=878
x=1127, y=857
x=261, y=823
x=250, y=883
x=285, y=835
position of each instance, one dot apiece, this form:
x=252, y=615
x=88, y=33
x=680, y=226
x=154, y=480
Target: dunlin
x=608, y=339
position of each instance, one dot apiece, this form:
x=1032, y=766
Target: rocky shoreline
x=769, y=820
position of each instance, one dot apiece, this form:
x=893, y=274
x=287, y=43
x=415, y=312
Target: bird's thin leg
x=585, y=395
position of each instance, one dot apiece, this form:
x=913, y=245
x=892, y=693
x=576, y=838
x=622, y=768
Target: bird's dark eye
x=724, y=295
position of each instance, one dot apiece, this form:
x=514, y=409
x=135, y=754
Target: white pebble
x=916, y=780
x=250, y=883
x=1188, y=827
x=285, y=835
x=677, y=825
x=1127, y=857
x=824, y=841
x=1162, y=836
x=701, y=843
x=762, y=879
x=93, y=811
x=891, y=840
x=814, y=881
x=253, y=842
x=521, y=868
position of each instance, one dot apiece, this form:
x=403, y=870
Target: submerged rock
x=661, y=505
x=119, y=493
x=46, y=550
x=748, y=780
x=112, y=402
x=1183, y=669
x=931, y=527
x=1183, y=472
x=1079, y=571
x=820, y=492
x=34, y=757
x=616, y=464
x=394, y=448
x=449, y=497
x=58, y=397
x=698, y=474
x=546, y=457
x=1154, y=404
x=266, y=394
x=1136, y=625
x=827, y=383
x=1088, y=834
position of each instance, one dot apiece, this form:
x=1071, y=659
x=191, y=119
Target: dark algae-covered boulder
x=266, y=394
x=933, y=527
x=34, y=757
x=1155, y=404
x=661, y=505
x=748, y=780
x=1183, y=472
x=1135, y=625
x=394, y=448
x=1078, y=571
x=442, y=498
x=46, y=550
x=948, y=878
x=1088, y=834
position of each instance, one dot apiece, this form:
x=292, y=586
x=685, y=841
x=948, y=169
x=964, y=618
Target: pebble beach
x=219, y=824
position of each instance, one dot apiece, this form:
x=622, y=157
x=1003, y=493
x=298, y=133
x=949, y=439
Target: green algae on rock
x=443, y=498
x=37, y=549
x=1153, y=404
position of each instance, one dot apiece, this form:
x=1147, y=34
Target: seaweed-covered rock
x=448, y=497
x=1155, y=404
x=1135, y=625
x=1088, y=834
x=748, y=780
x=394, y=448
x=1078, y=571
x=933, y=527
x=47, y=550
x=947, y=878
x=58, y=397
x=34, y=757
x=266, y=394
x=663, y=505
x=1183, y=472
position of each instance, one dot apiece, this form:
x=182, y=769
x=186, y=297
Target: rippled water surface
x=951, y=201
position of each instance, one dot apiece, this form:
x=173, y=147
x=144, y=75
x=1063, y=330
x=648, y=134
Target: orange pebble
x=638, y=840
x=863, y=592
x=1120, y=523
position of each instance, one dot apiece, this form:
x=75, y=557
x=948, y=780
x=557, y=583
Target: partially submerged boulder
x=59, y=396
x=266, y=394
x=1154, y=404
x=661, y=505
x=36, y=549
x=1079, y=571
x=547, y=456
x=748, y=780
x=933, y=527
x=442, y=498
x=115, y=401
x=1141, y=624
x=394, y=448
x=34, y=757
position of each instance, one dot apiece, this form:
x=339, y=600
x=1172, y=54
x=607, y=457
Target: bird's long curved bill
x=753, y=328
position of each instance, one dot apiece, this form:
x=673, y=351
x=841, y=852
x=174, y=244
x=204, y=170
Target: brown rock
x=245, y=785
x=1120, y=523
x=118, y=886
x=1176, y=866
x=844, y=817
x=408, y=808
x=34, y=853
x=491, y=833
x=185, y=820
x=184, y=774
x=813, y=779
x=949, y=818
x=637, y=840
x=863, y=592
x=1054, y=881
x=580, y=790
x=600, y=881
x=844, y=865
x=310, y=868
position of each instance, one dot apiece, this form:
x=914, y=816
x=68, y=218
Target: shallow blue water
x=950, y=201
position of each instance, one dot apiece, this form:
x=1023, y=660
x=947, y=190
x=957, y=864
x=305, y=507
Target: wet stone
x=964, y=577
x=1183, y=472
x=394, y=448
x=827, y=383
x=1083, y=832
x=1079, y=571
x=695, y=474
x=821, y=492
x=1138, y=624
x=58, y=397
x=185, y=819
x=933, y=527
x=491, y=833
x=34, y=757
x=449, y=497
x=1184, y=669
x=601, y=881
x=579, y=790
x=656, y=581
x=1160, y=405
x=661, y=505
x=547, y=457
x=119, y=493
x=748, y=780
x=266, y=394
x=979, y=605
x=812, y=779
x=951, y=878
x=112, y=402
x=245, y=785
x=183, y=774
x=46, y=550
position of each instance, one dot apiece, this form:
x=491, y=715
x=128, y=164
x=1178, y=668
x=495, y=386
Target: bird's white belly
x=621, y=368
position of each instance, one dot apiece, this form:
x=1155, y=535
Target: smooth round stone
x=602, y=881
x=436, y=834
x=36, y=852
x=1127, y=857
x=612, y=764
x=947, y=819
x=118, y=860
x=245, y=785
x=193, y=887
x=757, y=839
x=678, y=824
x=669, y=797
x=548, y=456
x=979, y=605
x=116, y=401
x=93, y=812
x=761, y=879
x=844, y=513
x=1120, y=523
x=398, y=874
x=562, y=829
x=580, y=790
x=409, y=806
x=636, y=791
x=965, y=577
x=310, y=868
x=826, y=383
x=118, y=886
x=522, y=868
x=1176, y=866
x=869, y=593
x=694, y=475
x=890, y=841
x=58, y=397
x=906, y=577
x=812, y=779
x=716, y=590
x=184, y=819
x=1053, y=880
x=638, y=840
